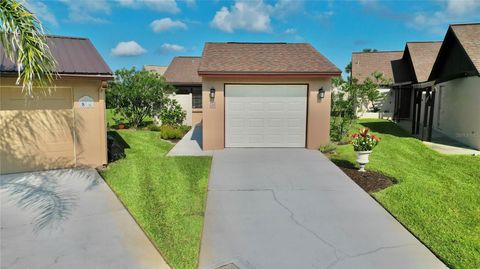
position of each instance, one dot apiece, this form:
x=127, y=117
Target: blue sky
x=133, y=33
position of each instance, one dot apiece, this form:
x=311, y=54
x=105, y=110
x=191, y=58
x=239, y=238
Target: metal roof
x=74, y=56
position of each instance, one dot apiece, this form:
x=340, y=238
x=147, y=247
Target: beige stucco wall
x=318, y=121
x=457, y=110
x=83, y=127
x=185, y=101
x=197, y=116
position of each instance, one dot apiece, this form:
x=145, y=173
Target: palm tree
x=23, y=40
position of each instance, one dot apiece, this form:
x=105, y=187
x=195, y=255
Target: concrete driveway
x=293, y=208
x=68, y=219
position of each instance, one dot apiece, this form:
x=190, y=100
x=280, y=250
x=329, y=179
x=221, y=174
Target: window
x=197, y=97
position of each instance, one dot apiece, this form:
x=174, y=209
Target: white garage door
x=265, y=115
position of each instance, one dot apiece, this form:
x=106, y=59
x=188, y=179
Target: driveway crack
x=325, y=242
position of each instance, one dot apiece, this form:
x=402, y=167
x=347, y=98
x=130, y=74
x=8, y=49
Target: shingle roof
x=423, y=55
x=74, y=56
x=366, y=63
x=469, y=37
x=264, y=58
x=183, y=70
x=156, y=68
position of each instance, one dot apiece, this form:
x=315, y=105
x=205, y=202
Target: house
x=265, y=95
x=456, y=91
x=364, y=64
x=182, y=73
x=65, y=128
x=411, y=85
x=156, y=68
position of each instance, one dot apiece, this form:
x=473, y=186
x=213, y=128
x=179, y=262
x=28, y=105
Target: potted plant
x=363, y=143
x=119, y=123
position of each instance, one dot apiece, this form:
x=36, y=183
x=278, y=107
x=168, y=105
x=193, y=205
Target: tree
x=24, y=42
x=370, y=88
x=136, y=95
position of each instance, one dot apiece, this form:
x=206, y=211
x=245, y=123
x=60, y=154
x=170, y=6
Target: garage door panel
x=34, y=137
x=274, y=115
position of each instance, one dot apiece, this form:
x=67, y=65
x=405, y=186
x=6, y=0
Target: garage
x=265, y=95
x=41, y=129
x=59, y=127
x=265, y=115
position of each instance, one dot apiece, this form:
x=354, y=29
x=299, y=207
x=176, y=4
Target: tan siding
x=52, y=131
x=318, y=121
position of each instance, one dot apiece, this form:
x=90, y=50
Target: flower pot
x=362, y=159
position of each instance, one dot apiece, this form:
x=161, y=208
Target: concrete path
x=69, y=219
x=293, y=208
x=190, y=144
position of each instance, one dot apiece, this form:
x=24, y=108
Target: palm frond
x=24, y=42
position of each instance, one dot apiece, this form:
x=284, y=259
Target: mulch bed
x=369, y=181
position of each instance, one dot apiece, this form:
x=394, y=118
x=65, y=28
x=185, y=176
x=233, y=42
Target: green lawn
x=166, y=195
x=111, y=115
x=437, y=197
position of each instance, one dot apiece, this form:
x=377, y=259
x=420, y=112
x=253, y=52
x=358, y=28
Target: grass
x=111, y=116
x=437, y=196
x=166, y=195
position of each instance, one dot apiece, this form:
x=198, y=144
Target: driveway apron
x=293, y=208
x=69, y=219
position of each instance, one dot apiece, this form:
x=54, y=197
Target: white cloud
x=42, y=12
x=128, y=48
x=168, y=48
x=247, y=15
x=253, y=15
x=290, y=31
x=167, y=24
x=450, y=11
x=284, y=8
x=168, y=6
x=87, y=11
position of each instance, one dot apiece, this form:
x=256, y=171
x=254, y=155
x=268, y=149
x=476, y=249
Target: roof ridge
x=440, y=41
x=256, y=43
x=383, y=51
x=66, y=37
x=466, y=23
x=188, y=57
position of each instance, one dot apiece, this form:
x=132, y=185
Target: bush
x=328, y=148
x=136, y=95
x=169, y=132
x=154, y=128
x=172, y=113
x=185, y=128
x=339, y=127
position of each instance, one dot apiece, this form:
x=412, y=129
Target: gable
x=452, y=61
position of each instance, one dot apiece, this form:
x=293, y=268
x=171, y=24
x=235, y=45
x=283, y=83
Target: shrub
x=172, y=113
x=339, y=127
x=328, y=148
x=169, y=132
x=136, y=95
x=185, y=128
x=154, y=128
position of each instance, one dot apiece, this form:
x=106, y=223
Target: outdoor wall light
x=321, y=93
x=212, y=93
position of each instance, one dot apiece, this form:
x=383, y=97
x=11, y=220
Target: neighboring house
x=265, y=95
x=364, y=64
x=65, y=128
x=182, y=73
x=456, y=73
x=156, y=68
x=411, y=85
